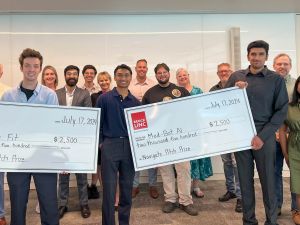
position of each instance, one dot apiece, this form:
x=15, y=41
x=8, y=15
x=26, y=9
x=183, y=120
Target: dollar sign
x=55, y=139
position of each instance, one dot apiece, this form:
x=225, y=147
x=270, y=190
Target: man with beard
x=71, y=95
x=165, y=91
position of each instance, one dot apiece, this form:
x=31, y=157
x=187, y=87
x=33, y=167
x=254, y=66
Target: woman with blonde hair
x=49, y=77
x=200, y=168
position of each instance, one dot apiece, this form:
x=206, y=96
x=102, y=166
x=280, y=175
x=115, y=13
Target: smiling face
x=224, y=73
x=104, y=83
x=49, y=77
x=89, y=75
x=162, y=76
x=141, y=69
x=31, y=68
x=282, y=65
x=123, y=78
x=257, y=58
x=183, y=78
x=71, y=77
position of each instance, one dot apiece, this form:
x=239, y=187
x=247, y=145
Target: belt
x=121, y=137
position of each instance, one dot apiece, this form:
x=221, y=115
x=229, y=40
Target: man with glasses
x=229, y=163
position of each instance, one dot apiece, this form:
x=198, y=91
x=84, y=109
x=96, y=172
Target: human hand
x=287, y=161
x=241, y=84
x=256, y=143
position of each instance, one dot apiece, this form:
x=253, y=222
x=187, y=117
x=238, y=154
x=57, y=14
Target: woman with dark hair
x=289, y=137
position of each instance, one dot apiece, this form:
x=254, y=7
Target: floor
x=147, y=211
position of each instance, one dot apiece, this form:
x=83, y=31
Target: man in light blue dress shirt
x=31, y=92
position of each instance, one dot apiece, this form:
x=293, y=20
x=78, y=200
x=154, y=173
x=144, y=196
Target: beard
x=71, y=82
x=163, y=81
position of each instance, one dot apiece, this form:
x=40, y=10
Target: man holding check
x=268, y=101
x=165, y=91
x=31, y=92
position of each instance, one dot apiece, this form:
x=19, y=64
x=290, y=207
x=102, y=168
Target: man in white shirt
x=138, y=86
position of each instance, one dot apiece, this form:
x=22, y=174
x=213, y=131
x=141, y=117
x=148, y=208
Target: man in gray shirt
x=268, y=101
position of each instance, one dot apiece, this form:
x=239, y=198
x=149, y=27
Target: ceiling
x=148, y=6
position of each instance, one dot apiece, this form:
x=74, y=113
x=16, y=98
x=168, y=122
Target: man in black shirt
x=165, y=91
x=268, y=101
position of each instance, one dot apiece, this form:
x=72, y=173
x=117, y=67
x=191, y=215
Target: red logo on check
x=139, y=120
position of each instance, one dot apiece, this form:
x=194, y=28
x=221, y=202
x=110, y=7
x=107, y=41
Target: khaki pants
x=183, y=171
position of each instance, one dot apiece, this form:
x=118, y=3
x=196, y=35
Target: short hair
x=123, y=67
x=71, y=67
x=180, y=70
x=161, y=65
x=54, y=71
x=258, y=44
x=296, y=96
x=30, y=53
x=103, y=74
x=142, y=60
x=282, y=55
x=224, y=64
x=86, y=67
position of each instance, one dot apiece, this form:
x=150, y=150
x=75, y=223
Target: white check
x=40, y=138
x=190, y=128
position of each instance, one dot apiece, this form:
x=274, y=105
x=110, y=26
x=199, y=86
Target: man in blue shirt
x=115, y=148
x=30, y=91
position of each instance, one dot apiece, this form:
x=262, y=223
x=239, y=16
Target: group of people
x=274, y=99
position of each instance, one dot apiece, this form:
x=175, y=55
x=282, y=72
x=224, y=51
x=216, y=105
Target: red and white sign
x=139, y=120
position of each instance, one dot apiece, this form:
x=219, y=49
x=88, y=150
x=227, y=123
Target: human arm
x=99, y=104
x=279, y=111
x=283, y=143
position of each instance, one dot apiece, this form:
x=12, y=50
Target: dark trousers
x=265, y=165
x=46, y=187
x=278, y=179
x=63, y=188
x=116, y=158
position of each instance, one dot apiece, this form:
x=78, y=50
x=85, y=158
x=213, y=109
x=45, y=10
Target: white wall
x=198, y=42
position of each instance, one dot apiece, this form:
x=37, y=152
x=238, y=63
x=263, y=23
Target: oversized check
x=190, y=128
x=40, y=138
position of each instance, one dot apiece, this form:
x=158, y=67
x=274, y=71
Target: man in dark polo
x=268, y=101
x=115, y=148
x=166, y=91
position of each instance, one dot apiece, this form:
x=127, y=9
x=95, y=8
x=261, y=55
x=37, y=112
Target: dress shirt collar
x=146, y=82
x=115, y=93
x=36, y=91
x=262, y=73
